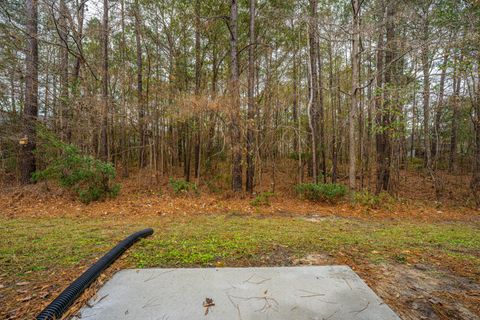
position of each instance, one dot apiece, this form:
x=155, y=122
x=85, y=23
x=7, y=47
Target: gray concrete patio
x=283, y=293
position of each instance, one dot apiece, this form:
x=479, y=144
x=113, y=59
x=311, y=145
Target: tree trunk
x=104, y=126
x=236, y=135
x=438, y=111
x=452, y=163
x=354, y=98
x=333, y=107
x=297, y=133
x=65, y=119
x=321, y=115
x=124, y=142
x=369, y=127
x=198, y=80
x=251, y=102
x=30, y=110
x=475, y=183
x=426, y=96
x=313, y=107
x=12, y=90
x=382, y=117
x=140, y=98
x=79, y=41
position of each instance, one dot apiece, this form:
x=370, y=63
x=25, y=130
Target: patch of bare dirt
x=421, y=292
x=278, y=256
x=313, y=259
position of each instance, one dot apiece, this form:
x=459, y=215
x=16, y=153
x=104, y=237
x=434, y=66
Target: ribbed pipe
x=58, y=306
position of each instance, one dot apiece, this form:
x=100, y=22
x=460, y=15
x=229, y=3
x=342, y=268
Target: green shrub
x=262, y=199
x=330, y=192
x=366, y=198
x=90, y=178
x=212, y=186
x=416, y=163
x=371, y=200
x=182, y=186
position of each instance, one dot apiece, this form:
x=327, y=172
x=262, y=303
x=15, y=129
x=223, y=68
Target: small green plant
x=400, y=258
x=182, y=186
x=262, y=199
x=367, y=199
x=416, y=163
x=296, y=155
x=373, y=201
x=90, y=178
x=329, y=192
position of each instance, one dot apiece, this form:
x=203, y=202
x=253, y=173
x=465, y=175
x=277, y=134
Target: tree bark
x=297, y=136
x=198, y=79
x=385, y=55
x=438, y=109
x=65, y=112
x=235, y=129
x=124, y=138
x=30, y=110
x=321, y=115
x=251, y=102
x=452, y=162
x=354, y=98
x=79, y=41
x=140, y=98
x=313, y=101
x=426, y=94
x=104, y=152
x=333, y=107
x=475, y=183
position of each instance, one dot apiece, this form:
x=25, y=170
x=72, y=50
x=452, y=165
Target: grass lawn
x=39, y=256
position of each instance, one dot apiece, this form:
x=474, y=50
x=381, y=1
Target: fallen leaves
x=137, y=199
x=24, y=283
x=207, y=304
x=24, y=299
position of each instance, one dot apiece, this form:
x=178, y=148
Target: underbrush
x=89, y=178
x=181, y=186
x=373, y=201
x=328, y=192
x=416, y=164
x=262, y=199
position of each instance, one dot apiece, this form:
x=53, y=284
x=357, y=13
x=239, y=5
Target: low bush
x=366, y=198
x=262, y=199
x=416, y=163
x=182, y=186
x=296, y=155
x=90, y=178
x=371, y=200
x=329, y=192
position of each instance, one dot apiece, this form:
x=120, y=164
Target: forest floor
x=421, y=258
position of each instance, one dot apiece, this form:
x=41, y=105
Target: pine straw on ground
x=45, y=199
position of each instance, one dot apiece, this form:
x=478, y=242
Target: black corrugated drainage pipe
x=56, y=309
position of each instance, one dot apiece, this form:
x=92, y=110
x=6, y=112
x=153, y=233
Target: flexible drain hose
x=55, y=309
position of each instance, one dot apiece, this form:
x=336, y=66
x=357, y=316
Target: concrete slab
x=317, y=292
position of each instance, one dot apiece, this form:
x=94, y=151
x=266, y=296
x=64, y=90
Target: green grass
x=30, y=246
